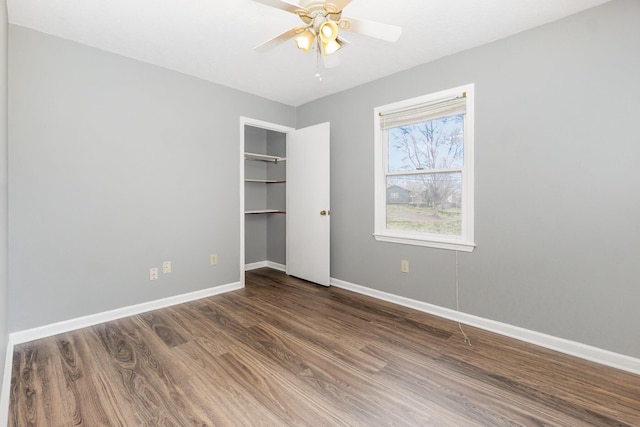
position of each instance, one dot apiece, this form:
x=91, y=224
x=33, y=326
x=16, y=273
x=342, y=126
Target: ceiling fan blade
x=279, y=39
x=387, y=32
x=284, y=5
x=334, y=6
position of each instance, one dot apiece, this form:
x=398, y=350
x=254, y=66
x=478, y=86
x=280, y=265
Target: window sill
x=438, y=244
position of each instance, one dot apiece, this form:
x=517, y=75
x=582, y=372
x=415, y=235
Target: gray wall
x=277, y=199
x=255, y=226
x=3, y=187
x=557, y=195
x=114, y=167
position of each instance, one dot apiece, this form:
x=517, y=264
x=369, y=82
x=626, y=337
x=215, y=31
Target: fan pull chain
x=318, y=60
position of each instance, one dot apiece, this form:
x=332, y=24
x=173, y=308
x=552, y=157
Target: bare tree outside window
x=437, y=148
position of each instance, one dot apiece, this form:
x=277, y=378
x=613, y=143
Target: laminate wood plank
x=343, y=384
x=550, y=372
x=199, y=328
x=168, y=331
x=376, y=382
x=134, y=356
x=277, y=388
x=242, y=312
x=490, y=381
x=337, y=385
x=87, y=404
x=283, y=351
x=559, y=407
x=226, y=402
x=473, y=400
x=34, y=390
x=329, y=315
x=274, y=389
x=477, y=386
x=261, y=387
x=270, y=393
x=322, y=334
x=361, y=321
x=628, y=412
x=345, y=388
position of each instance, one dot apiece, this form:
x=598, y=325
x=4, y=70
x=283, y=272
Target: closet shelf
x=263, y=157
x=267, y=181
x=263, y=211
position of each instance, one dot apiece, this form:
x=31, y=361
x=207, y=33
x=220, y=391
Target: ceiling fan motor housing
x=314, y=5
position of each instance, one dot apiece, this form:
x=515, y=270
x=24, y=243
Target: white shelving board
x=263, y=157
x=267, y=181
x=263, y=211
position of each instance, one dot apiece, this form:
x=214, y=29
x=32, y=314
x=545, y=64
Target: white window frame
x=464, y=242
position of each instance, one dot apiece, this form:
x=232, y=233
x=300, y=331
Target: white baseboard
x=276, y=266
x=583, y=351
x=255, y=265
x=6, y=384
x=261, y=264
x=107, y=316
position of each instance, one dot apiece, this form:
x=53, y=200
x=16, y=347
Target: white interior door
x=308, y=220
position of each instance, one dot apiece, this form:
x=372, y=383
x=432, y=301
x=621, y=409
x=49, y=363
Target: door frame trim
x=261, y=124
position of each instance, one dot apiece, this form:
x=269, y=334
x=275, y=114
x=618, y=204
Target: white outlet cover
x=404, y=266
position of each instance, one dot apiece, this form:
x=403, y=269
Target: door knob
x=323, y=212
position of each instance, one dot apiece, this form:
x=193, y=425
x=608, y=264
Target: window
x=424, y=170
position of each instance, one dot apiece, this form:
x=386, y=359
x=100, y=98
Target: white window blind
x=423, y=113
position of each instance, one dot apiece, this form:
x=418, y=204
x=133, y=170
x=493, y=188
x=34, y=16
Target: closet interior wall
x=265, y=234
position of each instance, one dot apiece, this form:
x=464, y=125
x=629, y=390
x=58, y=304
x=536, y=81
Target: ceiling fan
x=322, y=22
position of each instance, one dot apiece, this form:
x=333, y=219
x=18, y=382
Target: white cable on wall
x=466, y=338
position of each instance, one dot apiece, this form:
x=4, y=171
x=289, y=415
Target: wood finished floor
x=285, y=352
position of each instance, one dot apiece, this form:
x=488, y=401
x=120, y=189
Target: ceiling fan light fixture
x=305, y=39
x=331, y=47
x=328, y=31
x=323, y=22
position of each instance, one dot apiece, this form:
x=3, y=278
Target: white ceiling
x=214, y=39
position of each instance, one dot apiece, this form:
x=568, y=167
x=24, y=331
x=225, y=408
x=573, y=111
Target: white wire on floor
x=466, y=338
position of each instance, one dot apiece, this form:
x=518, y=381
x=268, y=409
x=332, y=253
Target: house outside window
x=424, y=170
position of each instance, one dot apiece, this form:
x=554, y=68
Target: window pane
x=434, y=144
x=425, y=203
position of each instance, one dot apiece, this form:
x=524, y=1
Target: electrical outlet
x=213, y=259
x=166, y=267
x=153, y=273
x=404, y=266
